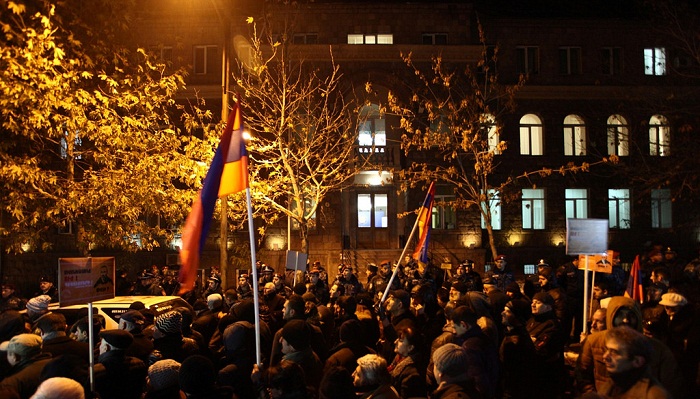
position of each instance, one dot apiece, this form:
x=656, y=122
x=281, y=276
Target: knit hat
x=673, y=299
x=25, y=345
x=544, y=298
x=350, y=331
x=513, y=288
x=60, y=387
x=197, y=375
x=169, y=323
x=296, y=333
x=521, y=309
x=39, y=303
x=460, y=287
x=119, y=339
x=164, y=374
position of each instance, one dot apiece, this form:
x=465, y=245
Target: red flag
x=227, y=174
x=425, y=215
x=634, y=284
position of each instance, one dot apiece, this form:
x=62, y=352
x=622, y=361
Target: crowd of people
x=408, y=331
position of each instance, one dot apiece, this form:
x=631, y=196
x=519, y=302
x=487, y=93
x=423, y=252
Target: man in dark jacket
x=480, y=351
x=133, y=321
x=296, y=347
x=517, y=351
x=117, y=375
x=56, y=342
x=26, y=360
x=294, y=309
x=450, y=361
x=549, y=338
x=350, y=348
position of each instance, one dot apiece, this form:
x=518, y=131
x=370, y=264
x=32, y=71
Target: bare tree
x=303, y=134
x=450, y=118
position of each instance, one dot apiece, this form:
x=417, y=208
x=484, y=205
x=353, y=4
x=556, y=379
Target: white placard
x=586, y=236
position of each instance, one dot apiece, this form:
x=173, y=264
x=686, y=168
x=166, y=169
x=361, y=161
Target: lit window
x=655, y=61
x=529, y=269
x=661, y=210
x=372, y=210
x=308, y=204
x=492, y=206
x=570, y=60
x=386, y=38
x=533, y=209
x=659, y=136
x=206, y=60
x=531, y=139
x=371, y=130
x=528, y=59
x=576, y=203
x=574, y=136
x=434, y=38
x=611, y=60
x=618, y=136
x=619, y=209
x=488, y=126
x=444, y=215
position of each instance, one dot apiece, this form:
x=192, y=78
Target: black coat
x=119, y=376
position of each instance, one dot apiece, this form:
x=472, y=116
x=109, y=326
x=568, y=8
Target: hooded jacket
x=591, y=375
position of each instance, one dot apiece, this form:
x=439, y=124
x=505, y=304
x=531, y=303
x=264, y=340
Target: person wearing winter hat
x=116, y=374
x=549, y=338
x=59, y=387
x=682, y=325
x=56, y=342
x=37, y=307
x=47, y=287
x=449, y=362
x=168, y=342
x=163, y=380
x=296, y=347
x=517, y=351
x=26, y=361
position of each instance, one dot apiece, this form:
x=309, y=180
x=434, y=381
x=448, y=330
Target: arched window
x=574, y=136
x=618, y=136
x=659, y=136
x=531, y=138
x=371, y=130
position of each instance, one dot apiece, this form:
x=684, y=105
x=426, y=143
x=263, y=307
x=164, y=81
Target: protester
x=26, y=359
x=117, y=375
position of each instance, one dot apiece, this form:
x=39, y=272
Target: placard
x=83, y=280
x=586, y=236
x=599, y=263
x=296, y=260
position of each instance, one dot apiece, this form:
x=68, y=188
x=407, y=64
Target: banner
x=84, y=280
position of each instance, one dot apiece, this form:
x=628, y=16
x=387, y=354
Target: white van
x=112, y=309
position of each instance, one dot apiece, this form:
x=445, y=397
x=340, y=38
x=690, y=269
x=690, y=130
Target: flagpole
x=254, y=271
x=585, y=297
x=405, y=248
